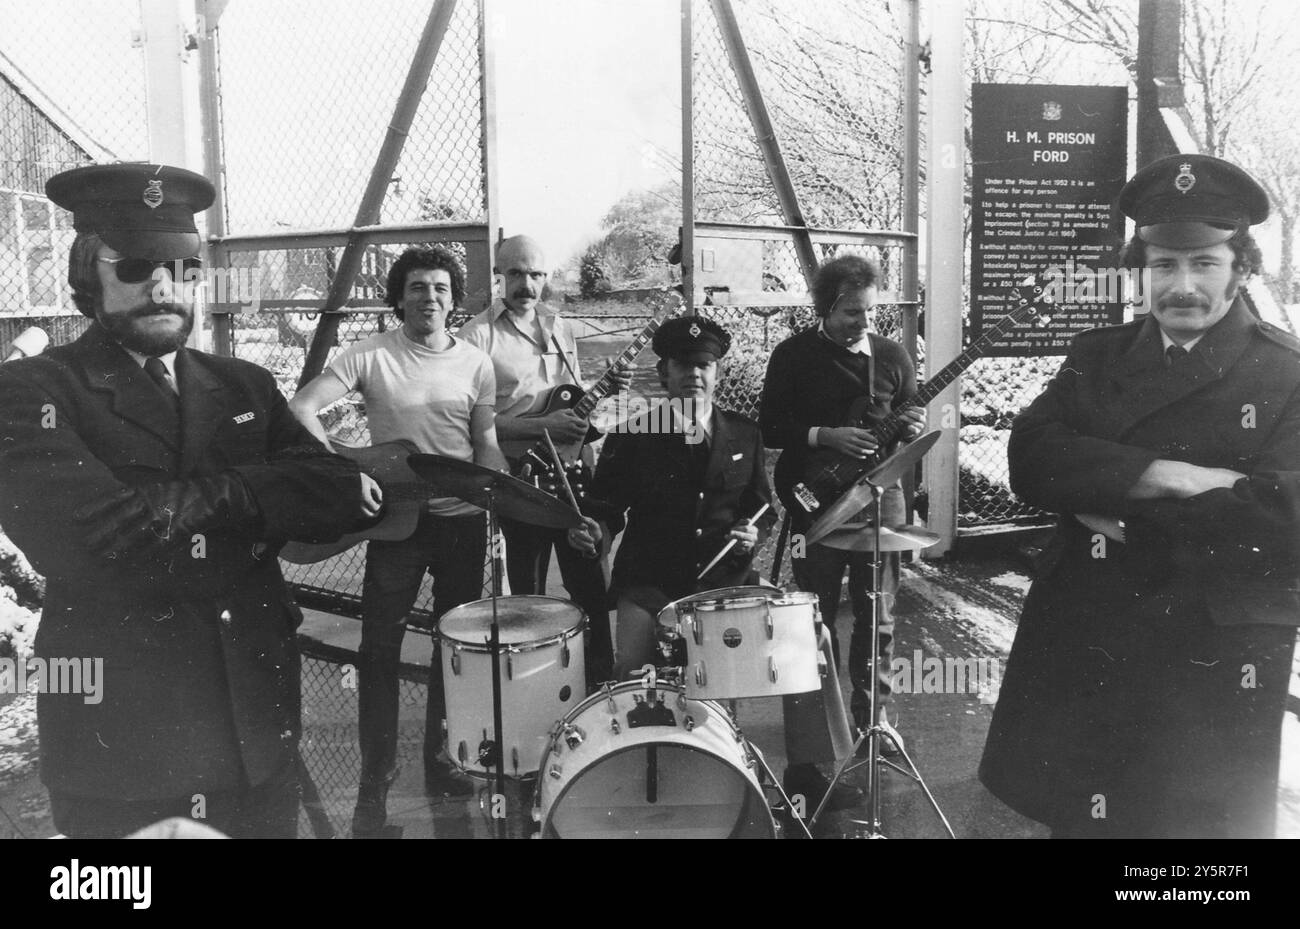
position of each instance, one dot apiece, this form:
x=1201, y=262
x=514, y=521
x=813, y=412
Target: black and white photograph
x=669, y=419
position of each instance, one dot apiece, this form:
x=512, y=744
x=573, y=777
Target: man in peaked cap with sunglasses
x=1146, y=686
x=151, y=485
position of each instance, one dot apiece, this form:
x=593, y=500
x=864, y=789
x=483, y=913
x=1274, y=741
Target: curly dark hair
x=1246, y=254
x=420, y=257
x=839, y=275
x=83, y=278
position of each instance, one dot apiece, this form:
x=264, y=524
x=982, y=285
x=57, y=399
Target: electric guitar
x=536, y=463
x=828, y=473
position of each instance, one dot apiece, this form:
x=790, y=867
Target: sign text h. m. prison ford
x=1047, y=163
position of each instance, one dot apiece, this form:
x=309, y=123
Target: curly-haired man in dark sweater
x=813, y=378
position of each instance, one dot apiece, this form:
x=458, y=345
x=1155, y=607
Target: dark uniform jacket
x=200, y=668
x=680, y=508
x=1125, y=652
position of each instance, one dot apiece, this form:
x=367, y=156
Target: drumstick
x=559, y=470
x=730, y=544
x=564, y=482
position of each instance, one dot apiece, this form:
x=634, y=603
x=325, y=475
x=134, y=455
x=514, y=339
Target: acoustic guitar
x=404, y=497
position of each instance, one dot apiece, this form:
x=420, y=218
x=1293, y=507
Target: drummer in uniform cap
x=1145, y=689
x=690, y=478
x=151, y=485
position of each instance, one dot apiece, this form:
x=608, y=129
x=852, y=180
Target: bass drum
x=644, y=762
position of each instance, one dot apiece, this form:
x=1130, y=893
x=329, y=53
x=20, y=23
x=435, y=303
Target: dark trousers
x=452, y=549
x=528, y=558
x=821, y=572
x=267, y=811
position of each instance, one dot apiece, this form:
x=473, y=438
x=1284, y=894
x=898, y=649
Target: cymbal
x=511, y=497
x=858, y=495
x=895, y=539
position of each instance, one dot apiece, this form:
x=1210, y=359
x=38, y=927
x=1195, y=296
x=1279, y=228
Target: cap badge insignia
x=153, y=195
x=1185, y=179
x=1051, y=111
x=694, y=330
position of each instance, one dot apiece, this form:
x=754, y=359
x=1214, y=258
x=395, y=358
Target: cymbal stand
x=872, y=734
x=497, y=750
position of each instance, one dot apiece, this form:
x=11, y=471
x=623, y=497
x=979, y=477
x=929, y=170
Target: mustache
x=523, y=293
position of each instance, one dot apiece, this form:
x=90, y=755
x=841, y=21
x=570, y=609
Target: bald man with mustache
x=533, y=351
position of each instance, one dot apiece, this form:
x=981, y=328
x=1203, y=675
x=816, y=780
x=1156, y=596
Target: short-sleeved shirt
x=416, y=393
x=526, y=371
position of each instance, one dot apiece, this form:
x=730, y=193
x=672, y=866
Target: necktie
x=1177, y=359
x=700, y=456
x=157, y=372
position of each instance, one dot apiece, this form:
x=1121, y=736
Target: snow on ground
x=1012, y=581
x=994, y=630
x=17, y=736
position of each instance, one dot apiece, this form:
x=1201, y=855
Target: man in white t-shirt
x=419, y=384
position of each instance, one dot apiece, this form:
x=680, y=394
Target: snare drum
x=748, y=642
x=542, y=676
x=646, y=762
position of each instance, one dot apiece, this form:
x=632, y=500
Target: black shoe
x=370, y=818
x=806, y=780
x=441, y=782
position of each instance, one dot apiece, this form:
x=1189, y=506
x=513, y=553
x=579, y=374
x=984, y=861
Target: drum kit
x=657, y=757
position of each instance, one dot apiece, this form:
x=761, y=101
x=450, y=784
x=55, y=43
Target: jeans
x=452, y=549
x=528, y=558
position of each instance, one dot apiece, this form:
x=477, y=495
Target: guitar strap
x=564, y=357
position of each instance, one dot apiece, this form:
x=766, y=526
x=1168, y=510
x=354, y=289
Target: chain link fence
x=72, y=93
x=829, y=76
x=307, y=88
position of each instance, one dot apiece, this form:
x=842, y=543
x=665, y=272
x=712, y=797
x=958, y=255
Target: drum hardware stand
x=775, y=783
x=495, y=749
x=756, y=754
x=870, y=828
x=781, y=539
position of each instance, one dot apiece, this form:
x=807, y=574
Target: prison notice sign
x=1047, y=164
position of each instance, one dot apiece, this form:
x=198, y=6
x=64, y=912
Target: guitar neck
x=889, y=429
x=605, y=386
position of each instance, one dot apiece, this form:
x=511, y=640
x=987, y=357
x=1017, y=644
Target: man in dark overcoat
x=151, y=484
x=1145, y=689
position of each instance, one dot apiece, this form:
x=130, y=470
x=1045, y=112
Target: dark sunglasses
x=138, y=270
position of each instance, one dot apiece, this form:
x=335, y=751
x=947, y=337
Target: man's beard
x=123, y=329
